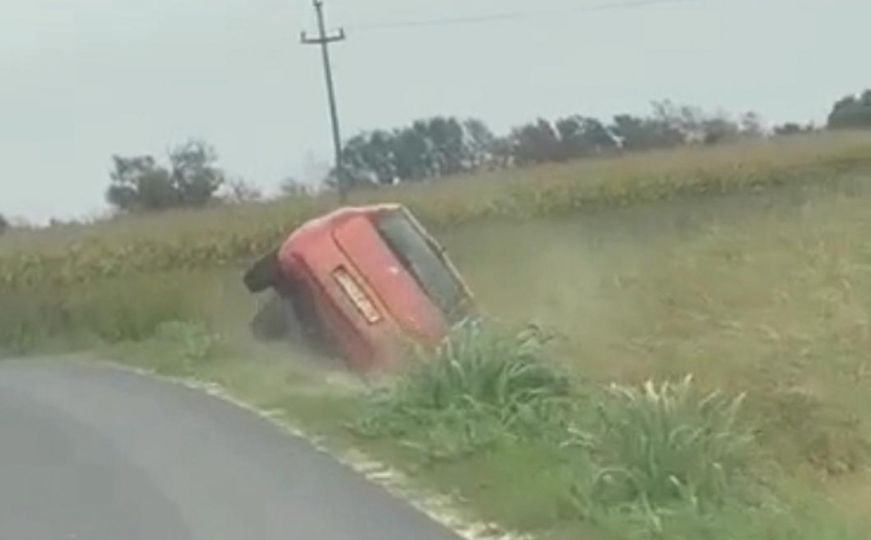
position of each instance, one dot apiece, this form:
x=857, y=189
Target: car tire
x=264, y=274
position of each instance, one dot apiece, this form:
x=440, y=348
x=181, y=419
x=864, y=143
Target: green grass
x=762, y=295
x=129, y=308
x=666, y=443
x=656, y=461
x=479, y=389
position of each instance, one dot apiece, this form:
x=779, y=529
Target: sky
x=82, y=80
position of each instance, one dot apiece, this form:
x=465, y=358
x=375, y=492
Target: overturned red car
x=360, y=283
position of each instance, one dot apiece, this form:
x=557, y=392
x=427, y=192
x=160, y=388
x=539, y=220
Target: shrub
x=620, y=454
x=481, y=386
x=664, y=446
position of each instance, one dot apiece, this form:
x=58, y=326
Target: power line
x=515, y=15
x=325, y=39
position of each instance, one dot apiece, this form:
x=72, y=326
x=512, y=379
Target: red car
x=360, y=283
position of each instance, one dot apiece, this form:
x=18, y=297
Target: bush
x=662, y=446
x=483, y=385
x=620, y=454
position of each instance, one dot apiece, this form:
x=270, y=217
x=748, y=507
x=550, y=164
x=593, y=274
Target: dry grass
x=769, y=294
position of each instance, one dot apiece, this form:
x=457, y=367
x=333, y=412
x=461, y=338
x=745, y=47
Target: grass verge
x=489, y=417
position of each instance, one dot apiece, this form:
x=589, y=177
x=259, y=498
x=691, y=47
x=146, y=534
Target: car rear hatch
x=406, y=270
x=426, y=261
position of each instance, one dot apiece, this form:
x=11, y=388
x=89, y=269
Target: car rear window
x=423, y=262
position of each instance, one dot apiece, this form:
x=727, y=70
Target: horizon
x=95, y=78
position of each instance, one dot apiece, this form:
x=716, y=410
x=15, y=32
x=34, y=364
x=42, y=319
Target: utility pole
x=324, y=40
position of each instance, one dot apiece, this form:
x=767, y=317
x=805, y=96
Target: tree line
x=852, y=112
x=440, y=146
x=190, y=176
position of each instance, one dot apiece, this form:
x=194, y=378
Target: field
x=747, y=267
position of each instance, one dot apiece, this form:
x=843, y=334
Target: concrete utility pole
x=323, y=39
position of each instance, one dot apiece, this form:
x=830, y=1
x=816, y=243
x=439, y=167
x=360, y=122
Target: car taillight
x=357, y=295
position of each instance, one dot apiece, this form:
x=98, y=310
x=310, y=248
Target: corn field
x=217, y=237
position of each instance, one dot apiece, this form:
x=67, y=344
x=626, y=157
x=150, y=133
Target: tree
x=4, y=224
x=412, y=154
x=372, y=152
x=240, y=191
x=191, y=179
x=752, y=125
x=428, y=148
x=636, y=133
x=570, y=134
x=501, y=153
x=792, y=128
x=684, y=119
x=448, y=146
x=582, y=137
x=291, y=187
x=571, y=137
x=194, y=175
x=481, y=144
x=852, y=112
x=718, y=129
x=683, y=124
x=138, y=183
x=537, y=142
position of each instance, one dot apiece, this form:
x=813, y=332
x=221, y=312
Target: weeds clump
x=667, y=442
x=643, y=452
x=665, y=448
x=480, y=387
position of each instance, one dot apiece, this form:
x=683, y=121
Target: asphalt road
x=95, y=453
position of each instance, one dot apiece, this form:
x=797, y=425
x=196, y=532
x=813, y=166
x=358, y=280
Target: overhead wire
x=514, y=15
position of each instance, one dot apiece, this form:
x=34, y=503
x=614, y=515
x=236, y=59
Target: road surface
x=96, y=453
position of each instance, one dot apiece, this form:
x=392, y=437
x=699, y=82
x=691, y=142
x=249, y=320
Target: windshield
x=424, y=262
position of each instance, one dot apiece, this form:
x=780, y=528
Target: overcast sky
x=81, y=80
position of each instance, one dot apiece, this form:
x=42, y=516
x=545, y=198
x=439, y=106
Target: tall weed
x=482, y=385
x=636, y=456
x=667, y=442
